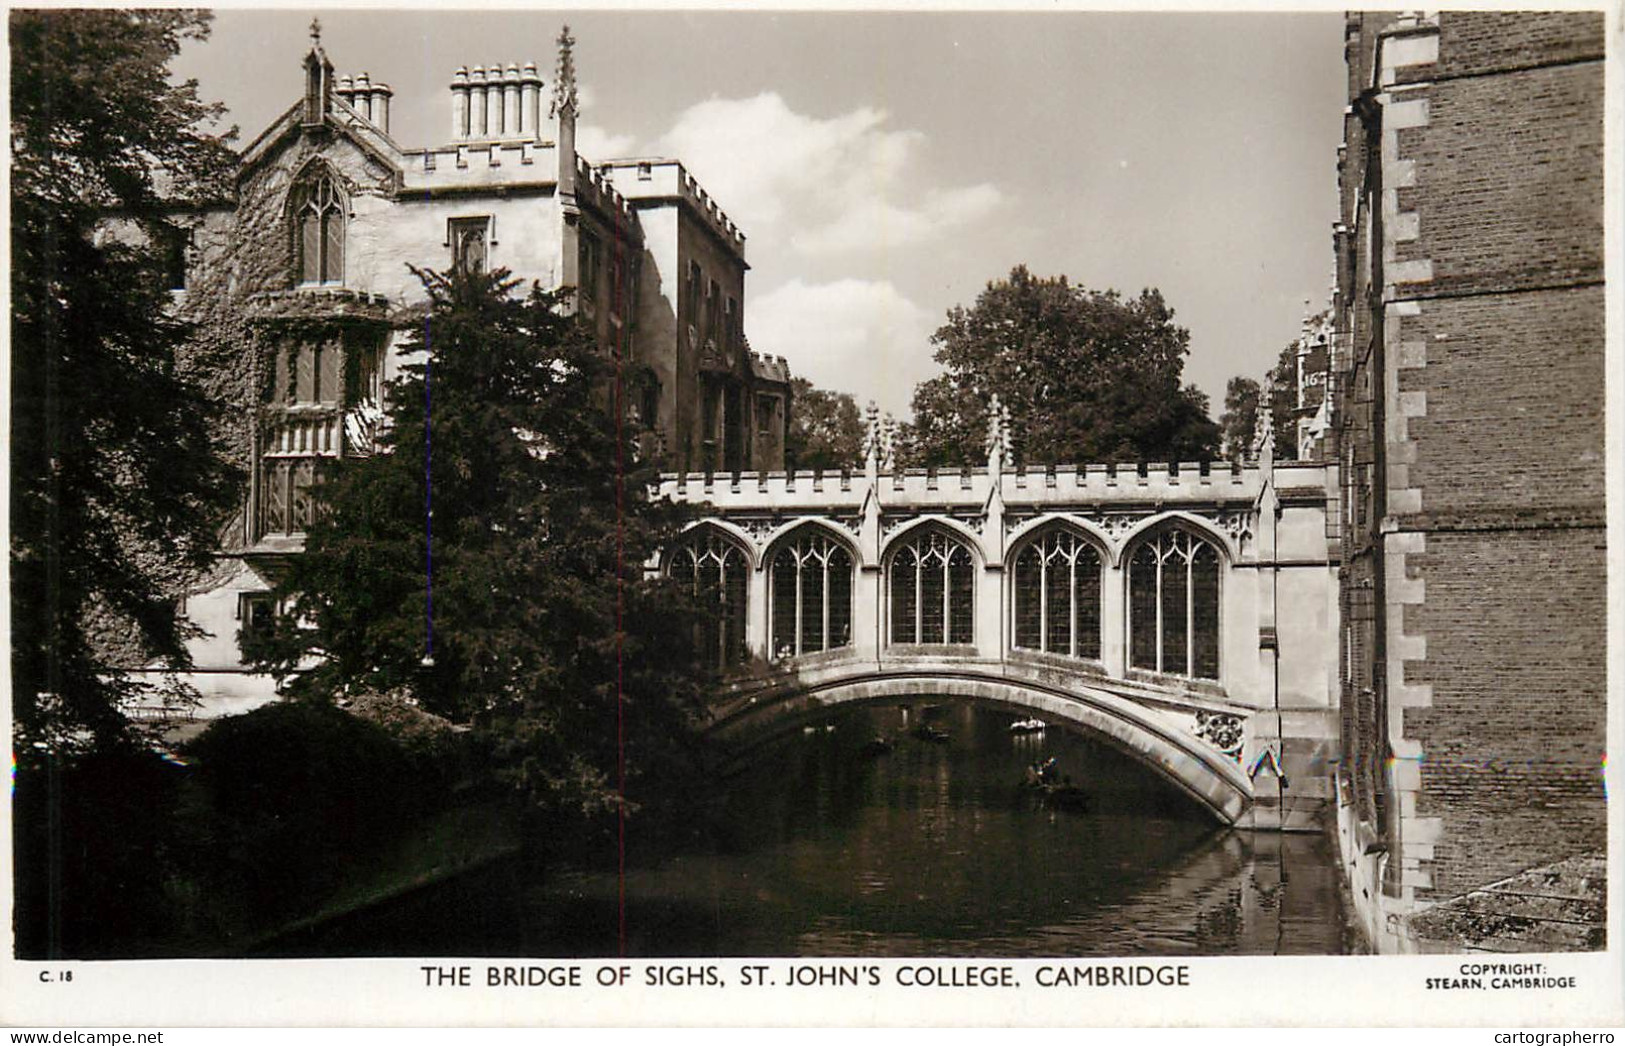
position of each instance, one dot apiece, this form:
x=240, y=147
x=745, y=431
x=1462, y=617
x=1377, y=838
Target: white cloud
x=820, y=186
x=597, y=145
x=593, y=142
x=858, y=336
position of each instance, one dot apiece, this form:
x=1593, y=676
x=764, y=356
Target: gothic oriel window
x=318, y=216
x=1057, y=595
x=932, y=580
x=715, y=569
x=288, y=499
x=811, y=579
x=1173, y=595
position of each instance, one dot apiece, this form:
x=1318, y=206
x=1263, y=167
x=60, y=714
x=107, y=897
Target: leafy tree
x=1086, y=376
x=1239, y=422
x=543, y=626
x=1282, y=382
x=116, y=491
x=1242, y=399
x=826, y=429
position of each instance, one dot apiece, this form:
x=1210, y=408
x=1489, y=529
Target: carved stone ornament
x=1221, y=730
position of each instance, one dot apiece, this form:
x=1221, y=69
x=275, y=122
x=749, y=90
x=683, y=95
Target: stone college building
x=301, y=289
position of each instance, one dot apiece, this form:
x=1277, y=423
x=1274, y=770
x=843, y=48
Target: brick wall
x=1484, y=41
x=1508, y=180
x=1514, y=393
x=1514, y=736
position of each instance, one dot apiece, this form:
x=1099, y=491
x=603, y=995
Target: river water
x=930, y=849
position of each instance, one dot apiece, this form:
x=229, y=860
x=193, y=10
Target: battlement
x=668, y=180
x=1039, y=486
x=770, y=368
x=592, y=184
x=480, y=165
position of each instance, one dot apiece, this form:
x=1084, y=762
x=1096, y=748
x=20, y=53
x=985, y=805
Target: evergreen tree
x=490, y=557
x=116, y=488
x=1086, y=376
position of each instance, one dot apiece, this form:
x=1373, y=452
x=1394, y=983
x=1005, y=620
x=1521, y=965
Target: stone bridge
x=1186, y=614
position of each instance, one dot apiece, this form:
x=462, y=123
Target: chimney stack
x=368, y=99
x=511, y=115
x=530, y=87
x=494, y=102
x=459, y=104
x=381, y=94
x=362, y=101
x=476, y=102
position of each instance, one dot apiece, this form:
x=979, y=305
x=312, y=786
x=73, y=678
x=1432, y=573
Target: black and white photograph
x=781, y=513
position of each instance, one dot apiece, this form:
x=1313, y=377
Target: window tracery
x=811, y=580
x=715, y=569
x=932, y=587
x=1056, y=594
x=1173, y=588
x=318, y=218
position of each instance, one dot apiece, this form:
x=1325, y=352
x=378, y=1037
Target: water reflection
x=932, y=848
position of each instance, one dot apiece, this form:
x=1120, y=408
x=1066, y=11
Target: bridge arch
x=1216, y=784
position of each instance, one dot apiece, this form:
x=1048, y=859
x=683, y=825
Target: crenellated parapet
x=667, y=181
x=593, y=188
x=1131, y=483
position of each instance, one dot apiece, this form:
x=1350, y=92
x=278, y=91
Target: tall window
x=715, y=569
x=318, y=216
x=932, y=581
x=1173, y=585
x=1057, y=595
x=812, y=595
x=590, y=260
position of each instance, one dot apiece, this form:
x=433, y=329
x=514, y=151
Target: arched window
x=1173, y=585
x=811, y=575
x=1057, y=595
x=715, y=569
x=318, y=235
x=932, y=586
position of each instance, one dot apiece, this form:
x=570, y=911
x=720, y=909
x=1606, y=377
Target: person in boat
x=1048, y=771
x=1030, y=778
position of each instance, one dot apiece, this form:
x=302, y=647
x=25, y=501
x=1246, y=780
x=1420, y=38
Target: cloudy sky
x=886, y=166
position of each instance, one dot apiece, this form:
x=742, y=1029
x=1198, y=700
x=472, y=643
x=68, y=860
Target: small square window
x=256, y=615
x=470, y=244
